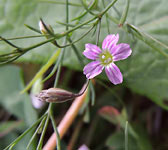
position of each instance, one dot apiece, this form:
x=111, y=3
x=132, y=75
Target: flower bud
x=36, y=88
x=46, y=29
x=55, y=95
x=83, y=147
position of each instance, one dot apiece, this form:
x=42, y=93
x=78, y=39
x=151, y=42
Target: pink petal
x=114, y=74
x=93, y=69
x=92, y=51
x=110, y=41
x=122, y=51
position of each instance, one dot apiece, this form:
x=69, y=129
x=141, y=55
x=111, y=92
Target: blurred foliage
x=137, y=138
x=16, y=103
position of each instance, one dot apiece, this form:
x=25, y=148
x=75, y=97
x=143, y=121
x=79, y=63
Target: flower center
x=106, y=58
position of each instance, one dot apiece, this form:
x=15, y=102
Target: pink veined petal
x=93, y=69
x=110, y=41
x=91, y=51
x=122, y=51
x=114, y=74
x=89, y=67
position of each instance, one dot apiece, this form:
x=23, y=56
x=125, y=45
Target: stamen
x=106, y=58
x=103, y=56
x=105, y=61
x=109, y=60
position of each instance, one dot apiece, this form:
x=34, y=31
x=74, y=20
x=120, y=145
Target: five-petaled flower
x=105, y=58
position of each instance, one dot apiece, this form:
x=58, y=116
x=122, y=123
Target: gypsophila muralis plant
x=102, y=58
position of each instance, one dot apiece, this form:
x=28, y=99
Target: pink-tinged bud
x=45, y=29
x=83, y=147
x=55, y=95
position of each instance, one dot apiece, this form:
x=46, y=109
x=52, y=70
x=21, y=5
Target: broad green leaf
x=145, y=72
x=136, y=132
x=116, y=141
x=112, y=115
x=10, y=97
x=6, y=127
x=143, y=139
x=19, y=146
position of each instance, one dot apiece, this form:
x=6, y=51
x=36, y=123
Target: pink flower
x=105, y=58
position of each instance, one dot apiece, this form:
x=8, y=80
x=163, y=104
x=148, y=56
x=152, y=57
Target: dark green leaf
x=16, y=103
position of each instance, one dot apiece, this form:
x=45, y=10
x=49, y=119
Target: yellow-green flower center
x=106, y=58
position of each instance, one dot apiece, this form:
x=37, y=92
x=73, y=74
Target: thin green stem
x=12, y=58
x=107, y=21
x=116, y=21
x=73, y=42
x=92, y=90
x=32, y=28
x=11, y=147
x=125, y=13
x=149, y=40
x=24, y=37
x=58, y=71
x=40, y=144
x=37, y=130
x=58, y=141
x=65, y=24
x=85, y=12
x=8, y=54
x=126, y=135
x=92, y=19
x=61, y=3
x=86, y=8
x=108, y=7
x=39, y=44
x=55, y=66
x=67, y=13
x=9, y=43
x=72, y=25
x=78, y=26
x=98, y=32
x=84, y=89
x=117, y=11
x=65, y=41
x=42, y=70
x=77, y=53
x=25, y=133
